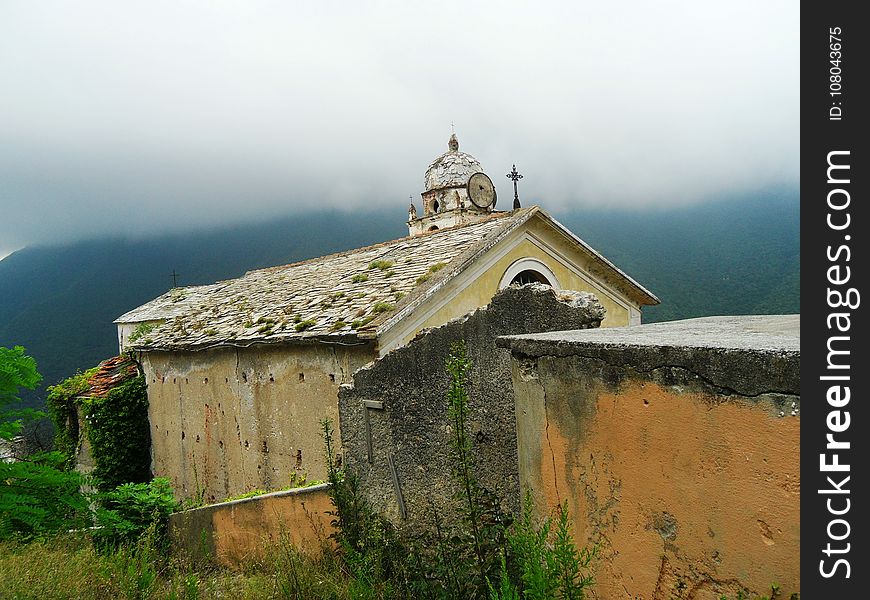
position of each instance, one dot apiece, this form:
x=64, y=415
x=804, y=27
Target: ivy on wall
x=115, y=423
x=61, y=407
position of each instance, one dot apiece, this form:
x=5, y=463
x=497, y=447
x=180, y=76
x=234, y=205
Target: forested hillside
x=736, y=256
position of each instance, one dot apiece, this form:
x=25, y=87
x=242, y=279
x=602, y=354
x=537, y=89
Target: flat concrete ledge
x=749, y=355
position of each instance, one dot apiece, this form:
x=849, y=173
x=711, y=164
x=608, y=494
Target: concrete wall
x=232, y=420
x=676, y=446
x=232, y=533
x=409, y=427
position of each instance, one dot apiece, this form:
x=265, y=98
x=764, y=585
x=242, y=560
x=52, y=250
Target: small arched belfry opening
x=528, y=270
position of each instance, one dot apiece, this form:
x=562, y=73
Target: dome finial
x=453, y=144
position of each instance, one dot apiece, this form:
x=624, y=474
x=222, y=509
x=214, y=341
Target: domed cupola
x=456, y=192
x=451, y=169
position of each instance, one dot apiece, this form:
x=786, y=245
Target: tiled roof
x=110, y=374
x=346, y=294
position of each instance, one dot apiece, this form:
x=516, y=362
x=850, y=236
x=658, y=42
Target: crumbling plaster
x=408, y=424
x=230, y=420
x=680, y=462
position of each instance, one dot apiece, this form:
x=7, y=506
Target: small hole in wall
x=301, y=377
x=265, y=447
x=197, y=439
x=646, y=402
x=186, y=380
x=244, y=377
x=298, y=459
x=221, y=444
x=153, y=380
x=271, y=378
x=332, y=377
x=182, y=435
x=205, y=381
x=173, y=380
x=163, y=380
x=246, y=444
x=226, y=379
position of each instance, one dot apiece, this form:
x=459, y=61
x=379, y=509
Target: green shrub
x=37, y=497
x=130, y=510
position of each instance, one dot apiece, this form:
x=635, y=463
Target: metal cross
x=174, y=279
x=514, y=176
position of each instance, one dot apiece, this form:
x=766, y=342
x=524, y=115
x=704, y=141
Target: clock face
x=481, y=191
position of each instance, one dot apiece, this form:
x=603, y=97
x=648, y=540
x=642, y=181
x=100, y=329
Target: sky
x=156, y=116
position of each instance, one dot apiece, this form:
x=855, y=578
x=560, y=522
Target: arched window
x=528, y=270
x=528, y=276
x=433, y=228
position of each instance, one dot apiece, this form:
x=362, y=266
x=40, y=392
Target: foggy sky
x=132, y=117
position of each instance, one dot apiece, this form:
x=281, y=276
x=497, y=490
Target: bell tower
x=456, y=192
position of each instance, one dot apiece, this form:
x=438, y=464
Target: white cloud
x=130, y=117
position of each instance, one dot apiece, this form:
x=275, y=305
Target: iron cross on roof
x=514, y=176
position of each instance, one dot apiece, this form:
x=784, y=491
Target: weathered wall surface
x=575, y=270
x=233, y=533
x=231, y=420
x=410, y=434
x=676, y=446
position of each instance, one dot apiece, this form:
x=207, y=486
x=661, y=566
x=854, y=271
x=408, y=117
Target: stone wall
x=237, y=532
x=676, y=446
x=394, y=425
x=229, y=421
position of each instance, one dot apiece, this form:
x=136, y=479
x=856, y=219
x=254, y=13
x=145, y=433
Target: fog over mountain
x=739, y=255
x=149, y=118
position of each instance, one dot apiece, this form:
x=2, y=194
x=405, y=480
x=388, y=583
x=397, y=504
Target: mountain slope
x=737, y=256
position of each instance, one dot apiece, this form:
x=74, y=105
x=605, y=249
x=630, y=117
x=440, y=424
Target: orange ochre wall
x=689, y=494
x=234, y=533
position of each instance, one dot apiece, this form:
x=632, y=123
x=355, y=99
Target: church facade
x=240, y=373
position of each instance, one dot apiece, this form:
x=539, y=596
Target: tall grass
x=69, y=566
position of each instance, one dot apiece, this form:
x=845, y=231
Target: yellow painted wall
x=483, y=288
x=229, y=421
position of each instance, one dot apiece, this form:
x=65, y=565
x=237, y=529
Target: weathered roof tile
x=345, y=294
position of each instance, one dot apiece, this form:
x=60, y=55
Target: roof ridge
x=491, y=217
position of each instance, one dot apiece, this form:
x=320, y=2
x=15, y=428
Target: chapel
x=241, y=373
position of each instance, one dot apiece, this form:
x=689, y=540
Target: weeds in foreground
x=471, y=550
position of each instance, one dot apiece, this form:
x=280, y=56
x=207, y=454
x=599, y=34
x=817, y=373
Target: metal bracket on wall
x=395, y=475
x=367, y=404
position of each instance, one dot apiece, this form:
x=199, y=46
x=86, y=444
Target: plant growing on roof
x=383, y=265
x=306, y=324
x=359, y=278
x=381, y=307
x=141, y=330
x=360, y=323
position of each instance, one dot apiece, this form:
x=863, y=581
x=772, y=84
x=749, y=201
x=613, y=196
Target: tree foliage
x=17, y=370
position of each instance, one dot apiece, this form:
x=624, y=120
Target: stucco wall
x=575, y=270
x=410, y=428
x=682, y=462
x=233, y=533
x=231, y=420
